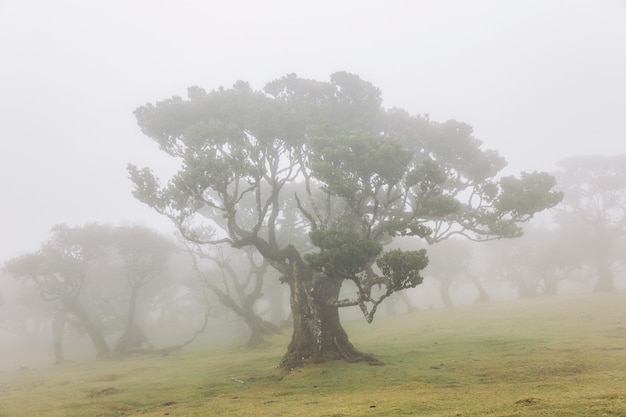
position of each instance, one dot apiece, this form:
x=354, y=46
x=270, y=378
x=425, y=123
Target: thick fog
x=538, y=81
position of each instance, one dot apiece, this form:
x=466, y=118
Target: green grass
x=562, y=356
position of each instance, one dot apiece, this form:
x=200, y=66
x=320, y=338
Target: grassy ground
x=563, y=356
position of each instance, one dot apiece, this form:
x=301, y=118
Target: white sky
x=538, y=80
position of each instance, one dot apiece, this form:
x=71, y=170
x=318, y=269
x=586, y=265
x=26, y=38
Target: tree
x=85, y=272
x=145, y=255
x=450, y=262
x=60, y=269
x=534, y=264
x=594, y=208
x=240, y=288
x=364, y=176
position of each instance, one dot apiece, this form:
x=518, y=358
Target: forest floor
x=549, y=356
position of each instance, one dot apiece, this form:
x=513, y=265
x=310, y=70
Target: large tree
x=594, y=210
x=325, y=159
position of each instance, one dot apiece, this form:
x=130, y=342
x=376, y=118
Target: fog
x=538, y=81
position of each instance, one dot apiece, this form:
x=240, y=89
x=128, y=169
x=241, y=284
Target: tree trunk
x=407, y=301
x=605, y=277
x=257, y=326
x=317, y=332
x=390, y=306
x=102, y=349
x=58, y=325
x=258, y=329
x=550, y=283
x=483, y=295
x=603, y=263
x=122, y=345
x=444, y=290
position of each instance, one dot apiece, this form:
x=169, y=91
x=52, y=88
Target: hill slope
x=561, y=356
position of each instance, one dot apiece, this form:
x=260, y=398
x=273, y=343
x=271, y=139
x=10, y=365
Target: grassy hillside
x=563, y=356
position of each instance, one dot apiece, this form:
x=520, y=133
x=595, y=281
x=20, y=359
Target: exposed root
x=342, y=353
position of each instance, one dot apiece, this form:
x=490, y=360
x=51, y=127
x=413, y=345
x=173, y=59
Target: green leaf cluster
x=522, y=197
x=343, y=253
x=403, y=268
x=356, y=166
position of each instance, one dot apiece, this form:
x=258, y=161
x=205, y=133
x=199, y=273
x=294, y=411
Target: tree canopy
x=85, y=271
x=594, y=210
x=317, y=177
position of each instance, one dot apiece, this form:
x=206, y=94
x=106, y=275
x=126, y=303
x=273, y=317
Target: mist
x=538, y=82
x=526, y=95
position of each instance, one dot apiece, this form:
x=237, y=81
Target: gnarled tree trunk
x=317, y=332
x=93, y=330
x=258, y=328
x=483, y=295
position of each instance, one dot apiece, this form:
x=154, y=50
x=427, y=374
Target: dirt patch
x=527, y=401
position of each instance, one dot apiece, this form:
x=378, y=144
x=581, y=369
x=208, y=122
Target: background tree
x=594, y=207
x=237, y=281
x=533, y=264
x=60, y=270
x=452, y=261
x=368, y=175
x=145, y=254
x=92, y=275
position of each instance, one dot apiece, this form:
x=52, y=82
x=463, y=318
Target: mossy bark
x=318, y=335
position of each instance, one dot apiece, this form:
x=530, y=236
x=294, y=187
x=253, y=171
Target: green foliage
x=399, y=226
x=403, y=267
x=454, y=146
x=388, y=171
x=363, y=175
x=525, y=196
x=343, y=253
x=356, y=167
x=429, y=177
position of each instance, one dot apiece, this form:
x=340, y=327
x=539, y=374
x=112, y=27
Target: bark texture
x=317, y=332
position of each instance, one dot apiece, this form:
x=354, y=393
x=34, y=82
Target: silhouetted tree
x=451, y=261
x=85, y=272
x=144, y=254
x=60, y=269
x=535, y=263
x=237, y=281
x=594, y=209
